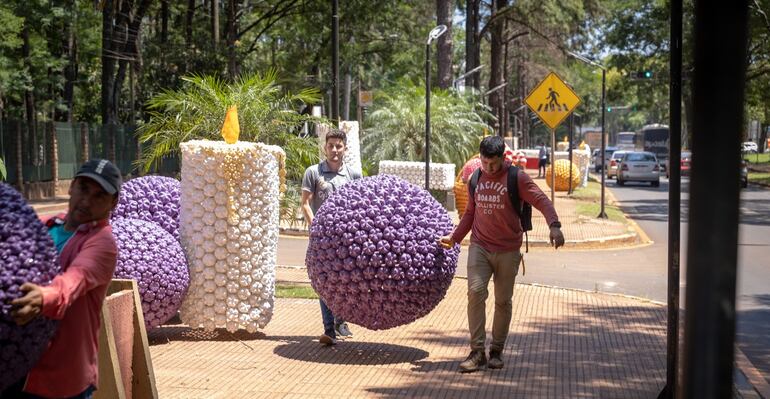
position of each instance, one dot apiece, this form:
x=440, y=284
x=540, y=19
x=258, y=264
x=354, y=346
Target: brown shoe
x=495, y=359
x=476, y=361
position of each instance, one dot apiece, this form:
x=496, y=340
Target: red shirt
x=496, y=227
x=75, y=297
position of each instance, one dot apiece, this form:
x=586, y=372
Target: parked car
x=639, y=166
x=612, y=170
x=684, y=164
x=750, y=146
x=744, y=173
x=596, y=159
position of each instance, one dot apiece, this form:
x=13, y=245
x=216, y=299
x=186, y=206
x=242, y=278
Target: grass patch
x=592, y=192
x=757, y=158
x=590, y=210
x=295, y=291
x=759, y=178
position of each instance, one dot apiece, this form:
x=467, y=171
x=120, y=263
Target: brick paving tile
x=562, y=344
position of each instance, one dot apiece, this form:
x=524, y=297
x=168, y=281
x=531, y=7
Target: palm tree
x=396, y=129
x=197, y=110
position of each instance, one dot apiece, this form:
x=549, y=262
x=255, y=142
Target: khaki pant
x=482, y=264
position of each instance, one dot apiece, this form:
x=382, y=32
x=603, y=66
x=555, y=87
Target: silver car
x=615, y=159
x=639, y=166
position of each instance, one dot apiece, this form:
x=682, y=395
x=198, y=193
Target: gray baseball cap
x=103, y=172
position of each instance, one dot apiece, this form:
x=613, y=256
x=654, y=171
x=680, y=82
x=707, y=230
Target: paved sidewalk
x=562, y=344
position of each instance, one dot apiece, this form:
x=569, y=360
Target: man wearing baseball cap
x=88, y=253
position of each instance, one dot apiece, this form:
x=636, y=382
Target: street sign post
x=552, y=101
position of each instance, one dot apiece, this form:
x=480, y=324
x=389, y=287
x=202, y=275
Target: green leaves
x=196, y=111
x=395, y=130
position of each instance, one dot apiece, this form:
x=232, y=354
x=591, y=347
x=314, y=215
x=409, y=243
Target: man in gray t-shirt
x=318, y=184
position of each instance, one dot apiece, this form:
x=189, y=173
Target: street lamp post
x=602, y=213
x=433, y=35
x=465, y=75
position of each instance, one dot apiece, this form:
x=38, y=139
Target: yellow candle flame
x=231, y=129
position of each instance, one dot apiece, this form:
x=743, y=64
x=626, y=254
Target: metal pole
x=427, y=116
x=571, y=120
x=721, y=30
x=602, y=214
x=553, y=169
x=674, y=199
x=335, y=61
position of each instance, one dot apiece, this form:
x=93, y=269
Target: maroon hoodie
x=496, y=227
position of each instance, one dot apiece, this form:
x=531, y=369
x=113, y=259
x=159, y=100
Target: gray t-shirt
x=321, y=182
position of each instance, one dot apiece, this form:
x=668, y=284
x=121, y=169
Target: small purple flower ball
x=27, y=254
x=153, y=199
x=152, y=257
x=373, y=254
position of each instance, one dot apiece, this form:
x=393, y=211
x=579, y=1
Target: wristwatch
x=555, y=224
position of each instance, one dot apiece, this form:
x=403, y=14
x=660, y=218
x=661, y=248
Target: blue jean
x=329, y=320
x=15, y=392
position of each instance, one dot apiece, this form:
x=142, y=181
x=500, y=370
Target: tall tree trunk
x=346, y=97
x=108, y=63
x=472, y=48
x=444, y=10
x=69, y=44
x=130, y=49
x=19, y=158
x=215, y=23
x=188, y=24
x=232, y=32
x=506, y=100
x=496, y=63
x=29, y=97
x=164, y=13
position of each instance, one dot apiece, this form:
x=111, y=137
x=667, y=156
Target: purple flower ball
x=152, y=199
x=27, y=254
x=152, y=257
x=373, y=254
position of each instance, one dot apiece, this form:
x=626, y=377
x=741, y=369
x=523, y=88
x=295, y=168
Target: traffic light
x=643, y=75
x=609, y=109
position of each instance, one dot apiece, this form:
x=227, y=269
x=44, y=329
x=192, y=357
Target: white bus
x=625, y=141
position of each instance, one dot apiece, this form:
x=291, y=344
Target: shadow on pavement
x=166, y=333
x=349, y=352
x=751, y=333
x=598, y=351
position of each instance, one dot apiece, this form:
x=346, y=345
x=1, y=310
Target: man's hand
x=446, y=242
x=557, y=237
x=26, y=308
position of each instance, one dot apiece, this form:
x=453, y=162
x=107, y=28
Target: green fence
x=36, y=149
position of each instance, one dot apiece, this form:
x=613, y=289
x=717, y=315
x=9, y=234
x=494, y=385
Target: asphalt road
x=649, y=208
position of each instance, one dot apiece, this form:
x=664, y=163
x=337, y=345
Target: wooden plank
x=110, y=381
x=143, y=381
x=144, y=375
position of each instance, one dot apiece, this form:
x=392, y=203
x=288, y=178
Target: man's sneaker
x=474, y=362
x=495, y=359
x=343, y=331
x=327, y=340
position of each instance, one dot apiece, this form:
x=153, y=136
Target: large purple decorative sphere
x=153, y=199
x=373, y=255
x=152, y=257
x=27, y=254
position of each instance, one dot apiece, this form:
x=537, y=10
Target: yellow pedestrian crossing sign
x=552, y=100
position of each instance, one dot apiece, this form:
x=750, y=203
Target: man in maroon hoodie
x=495, y=249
